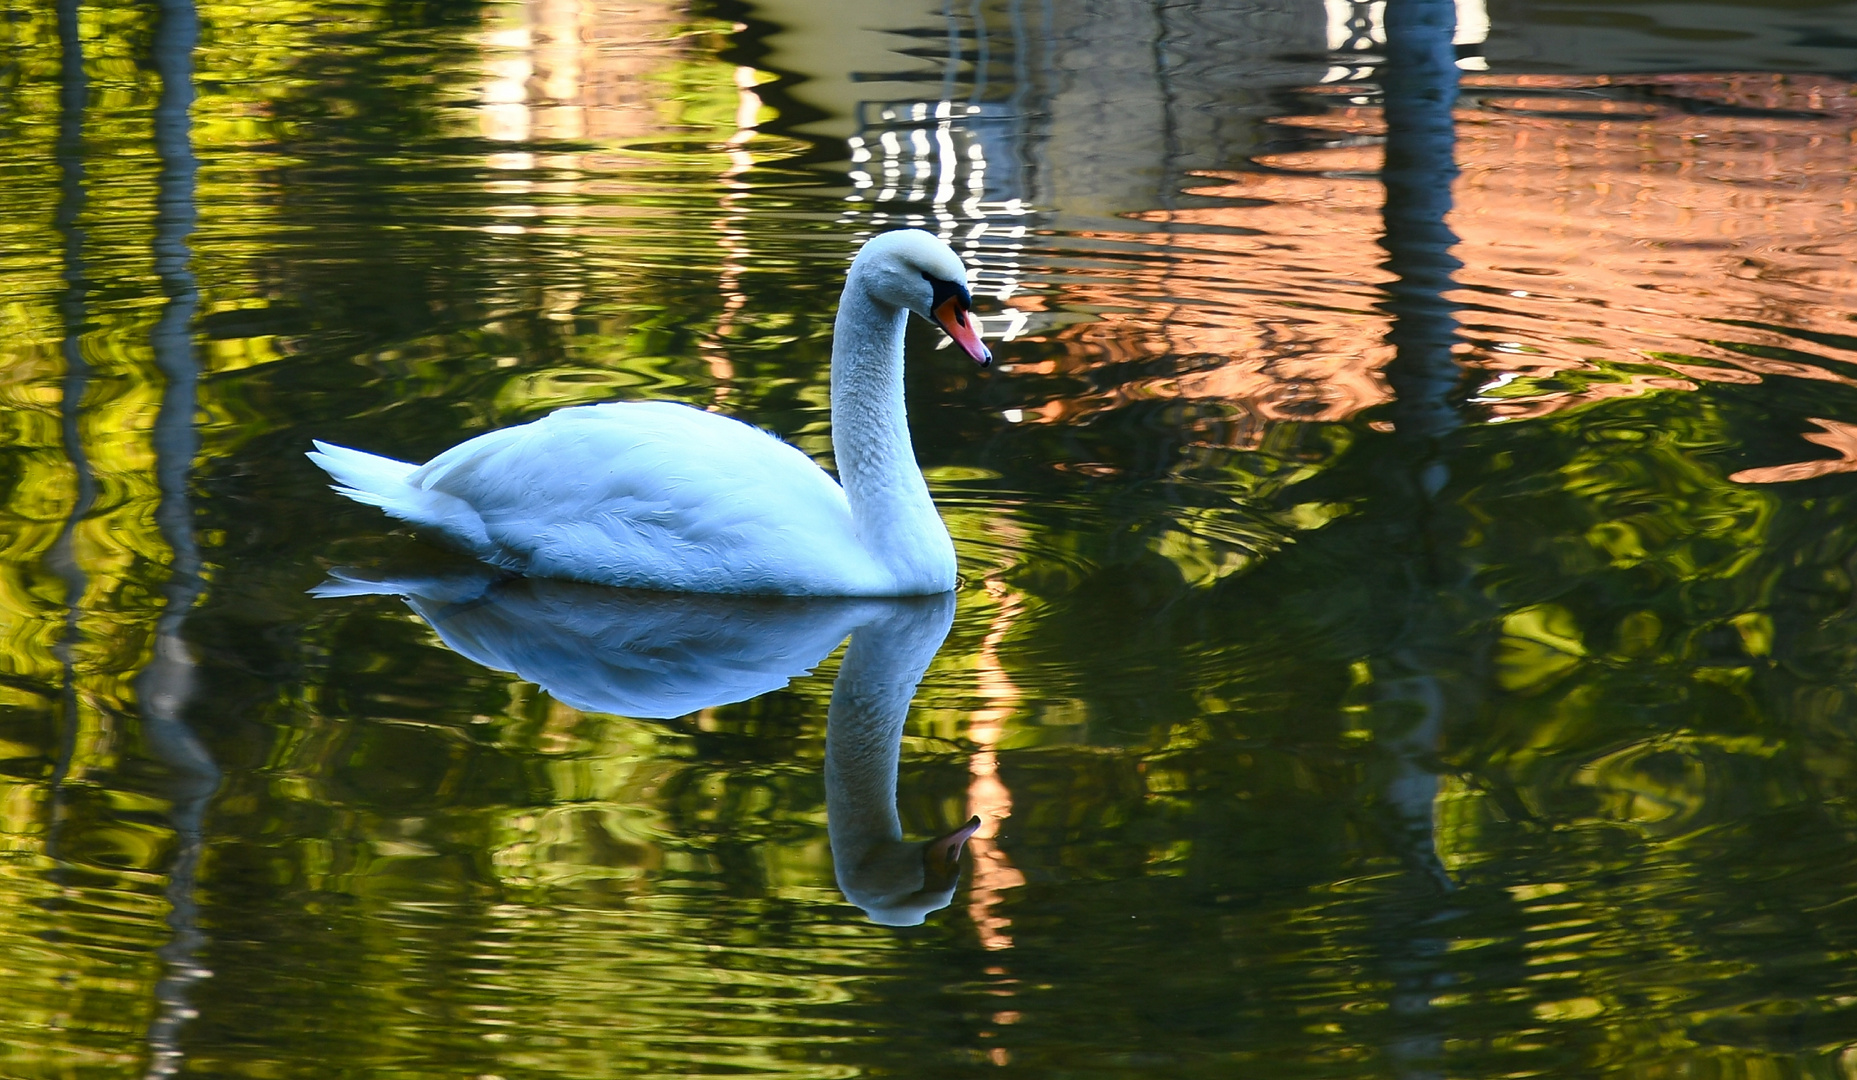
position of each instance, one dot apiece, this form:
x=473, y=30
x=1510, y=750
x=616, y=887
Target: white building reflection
x=979, y=121
x=950, y=169
x=1359, y=26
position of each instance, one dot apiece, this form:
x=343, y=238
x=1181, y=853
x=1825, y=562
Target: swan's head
x=898, y=883
x=916, y=271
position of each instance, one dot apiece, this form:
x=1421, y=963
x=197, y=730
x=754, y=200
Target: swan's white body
x=656, y=495
x=649, y=495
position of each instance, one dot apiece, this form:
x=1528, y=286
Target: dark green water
x=1407, y=624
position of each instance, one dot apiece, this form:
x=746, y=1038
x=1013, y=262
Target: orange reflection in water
x=988, y=797
x=573, y=70
x=1840, y=437
x=1619, y=236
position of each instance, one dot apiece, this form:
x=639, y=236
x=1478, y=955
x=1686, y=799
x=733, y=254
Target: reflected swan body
x=658, y=495
x=649, y=655
x=662, y=655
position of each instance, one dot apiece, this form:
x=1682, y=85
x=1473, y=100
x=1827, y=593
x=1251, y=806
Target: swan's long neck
x=890, y=504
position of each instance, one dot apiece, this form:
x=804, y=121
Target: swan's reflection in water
x=895, y=882
x=662, y=655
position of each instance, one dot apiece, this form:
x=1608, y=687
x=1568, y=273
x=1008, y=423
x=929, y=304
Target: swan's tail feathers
x=365, y=478
x=381, y=481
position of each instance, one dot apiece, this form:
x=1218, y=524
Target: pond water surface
x=1408, y=623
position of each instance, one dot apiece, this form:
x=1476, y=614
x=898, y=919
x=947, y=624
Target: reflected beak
x=942, y=855
x=953, y=318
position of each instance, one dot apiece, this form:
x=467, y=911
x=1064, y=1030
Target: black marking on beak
x=950, y=306
x=947, y=290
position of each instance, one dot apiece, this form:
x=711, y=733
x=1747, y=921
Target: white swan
x=656, y=495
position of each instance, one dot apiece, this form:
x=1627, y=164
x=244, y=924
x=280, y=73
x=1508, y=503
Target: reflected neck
x=863, y=740
x=883, y=664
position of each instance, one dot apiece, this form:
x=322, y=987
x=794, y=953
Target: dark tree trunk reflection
x=166, y=685
x=1423, y=674
x=1420, y=84
x=1414, y=685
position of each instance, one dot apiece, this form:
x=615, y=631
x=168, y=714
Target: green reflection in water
x=1190, y=662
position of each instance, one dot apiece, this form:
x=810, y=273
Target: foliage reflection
x=1296, y=746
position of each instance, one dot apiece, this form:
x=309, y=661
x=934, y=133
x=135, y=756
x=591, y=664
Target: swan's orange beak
x=952, y=316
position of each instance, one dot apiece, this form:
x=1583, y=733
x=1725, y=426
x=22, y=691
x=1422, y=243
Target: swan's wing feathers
x=648, y=491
